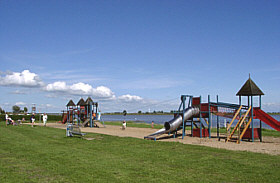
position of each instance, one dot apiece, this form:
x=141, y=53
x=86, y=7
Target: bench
x=72, y=130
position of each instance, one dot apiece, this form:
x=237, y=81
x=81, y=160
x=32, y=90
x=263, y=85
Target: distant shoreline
x=137, y=114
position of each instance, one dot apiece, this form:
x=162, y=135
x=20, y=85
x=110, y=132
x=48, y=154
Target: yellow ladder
x=239, y=123
x=244, y=130
x=234, y=117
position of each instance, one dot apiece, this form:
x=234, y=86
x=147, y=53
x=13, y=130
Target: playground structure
x=84, y=114
x=192, y=112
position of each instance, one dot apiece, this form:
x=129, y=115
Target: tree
x=25, y=109
x=16, y=109
x=124, y=112
x=2, y=111
x=139, y=112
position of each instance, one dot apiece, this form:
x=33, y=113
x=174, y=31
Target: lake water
x=160, y=119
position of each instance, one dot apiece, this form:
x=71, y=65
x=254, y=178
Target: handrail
x=244, y=130
x=237, y=112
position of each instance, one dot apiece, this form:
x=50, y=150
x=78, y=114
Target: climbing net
x=225, y=112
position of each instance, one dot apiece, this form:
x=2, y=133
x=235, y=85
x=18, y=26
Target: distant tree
x=25, y=109
x=124, y=112
x=16, y=109
x=139, y=112
x=154, y=112
x=2, y=111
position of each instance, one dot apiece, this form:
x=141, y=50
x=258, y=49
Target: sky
x=137, y=54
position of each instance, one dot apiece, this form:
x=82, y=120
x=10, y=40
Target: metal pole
x=260, y=100
x=200, y=118
x=79, y=114
x=72, y=114
x=252, y=118
x=191, y=104
x=218, y=122
x=67, y=113
x=209, y=117
x=88, y=110
x=240, y=103
x=184, y=106
x=90, y=115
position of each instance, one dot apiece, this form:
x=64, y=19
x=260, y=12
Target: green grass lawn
x=43, y=154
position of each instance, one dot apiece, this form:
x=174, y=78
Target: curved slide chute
x=176, y=122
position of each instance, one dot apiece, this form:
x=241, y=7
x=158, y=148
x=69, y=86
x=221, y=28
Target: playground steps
x=85, y=123
x=233, y=139
x=95, y=123
x=100, y=123
x=244, y=130
x=237, y=127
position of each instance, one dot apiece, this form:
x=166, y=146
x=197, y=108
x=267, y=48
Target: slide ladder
x=234, y=117
x=238, y=125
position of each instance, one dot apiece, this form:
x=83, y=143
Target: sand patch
x=270, y=145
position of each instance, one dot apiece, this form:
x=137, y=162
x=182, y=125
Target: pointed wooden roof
x=71, y=103
x=81, y=102
x=249, y=89
x=89, y=101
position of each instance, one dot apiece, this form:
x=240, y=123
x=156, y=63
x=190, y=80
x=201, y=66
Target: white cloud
x=103, y=92
x=58, y=86
x=49, y=105
x=24, y=78
x=80, y=89
x=20, y=103
x=61, y=89
x=130, y=98
x=18, y=92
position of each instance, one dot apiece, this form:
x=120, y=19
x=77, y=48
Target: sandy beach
x=270, y=145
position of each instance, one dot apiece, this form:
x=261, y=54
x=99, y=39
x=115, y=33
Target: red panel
x=248, y=133
x=204, y=107
x=204, y=110
x=195, y=100
x=196, y=132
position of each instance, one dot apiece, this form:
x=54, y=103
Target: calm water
x=160, y=119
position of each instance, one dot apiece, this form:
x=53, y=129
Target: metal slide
x=176, y=122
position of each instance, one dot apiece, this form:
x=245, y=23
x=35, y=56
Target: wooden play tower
x=250, y=90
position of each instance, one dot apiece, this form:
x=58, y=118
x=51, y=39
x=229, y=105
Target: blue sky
x=136, y=55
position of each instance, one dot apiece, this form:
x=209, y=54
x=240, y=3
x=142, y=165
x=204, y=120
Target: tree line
x=15, y=109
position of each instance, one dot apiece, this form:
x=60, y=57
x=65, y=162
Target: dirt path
x=270, y=145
